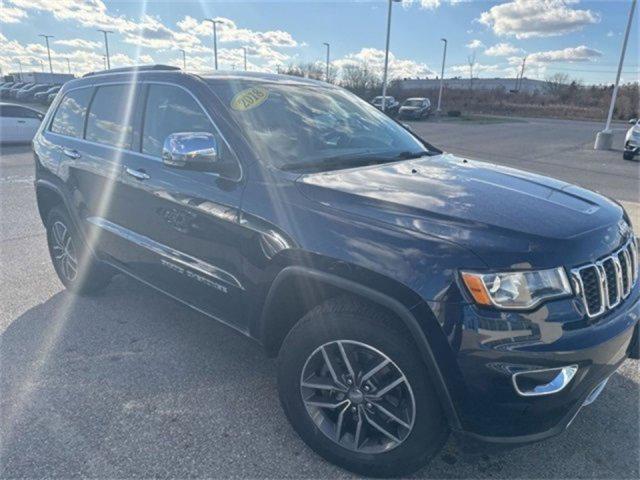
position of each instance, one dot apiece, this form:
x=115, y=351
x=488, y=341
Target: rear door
x=7, y=124
x=184, y=222
x=95, y=133
x=27, y=122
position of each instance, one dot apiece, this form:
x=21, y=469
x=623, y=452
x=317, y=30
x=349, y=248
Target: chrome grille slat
x=604, y=284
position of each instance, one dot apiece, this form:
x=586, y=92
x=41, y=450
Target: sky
x=579, y=38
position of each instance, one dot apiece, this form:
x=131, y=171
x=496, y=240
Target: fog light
x=547, y=381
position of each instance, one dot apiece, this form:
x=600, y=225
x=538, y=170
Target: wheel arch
x=48, y=195
x=318, y=286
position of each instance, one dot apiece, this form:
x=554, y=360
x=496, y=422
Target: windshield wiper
x=407, y=155
x=342, y=161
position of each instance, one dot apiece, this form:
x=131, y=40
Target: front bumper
x=491, y=346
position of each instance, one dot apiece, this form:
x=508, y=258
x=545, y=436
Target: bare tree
x=557, y=83
x=360, y=79
x=306, y=70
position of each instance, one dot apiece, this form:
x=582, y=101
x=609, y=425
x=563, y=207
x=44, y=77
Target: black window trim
x=144, y=84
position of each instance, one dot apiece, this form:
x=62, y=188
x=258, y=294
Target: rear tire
x=367, y=336
x=74, y=264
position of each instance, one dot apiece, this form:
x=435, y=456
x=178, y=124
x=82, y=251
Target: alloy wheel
x=357, y=396
x=64, y=252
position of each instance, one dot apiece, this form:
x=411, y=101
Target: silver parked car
x=632, y=140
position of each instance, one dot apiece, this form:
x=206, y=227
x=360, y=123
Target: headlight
x=517, y=290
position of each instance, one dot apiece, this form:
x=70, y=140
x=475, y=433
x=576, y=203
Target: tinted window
x=69, y=118
x=170, y=110
x=111, y=115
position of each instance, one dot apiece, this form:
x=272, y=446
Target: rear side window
x=170, y=110
x=69, y=117
x=111, y=116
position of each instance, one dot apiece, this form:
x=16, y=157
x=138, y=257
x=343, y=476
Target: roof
x=9, y=104
x=261, y=77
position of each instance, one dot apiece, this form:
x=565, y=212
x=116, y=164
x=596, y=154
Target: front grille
x=604, y=284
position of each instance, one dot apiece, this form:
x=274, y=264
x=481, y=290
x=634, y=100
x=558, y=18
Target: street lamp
x=444, y=57
x=184, y=60
x=604, y=139
x=41, y=64
x=244, y=49
x=328, y=50
x=46, y=39
x=20, y=66
x=386, y=57
x=106, y=47
x=68, y=65
x=215, y=40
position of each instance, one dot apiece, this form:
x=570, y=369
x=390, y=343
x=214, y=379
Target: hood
x=484, y=207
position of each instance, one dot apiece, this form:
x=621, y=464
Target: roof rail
x=135, y=68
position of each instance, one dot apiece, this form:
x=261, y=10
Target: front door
x=184, y=222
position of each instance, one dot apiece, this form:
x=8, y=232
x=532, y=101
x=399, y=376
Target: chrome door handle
x=137, y=174
x=71, y=153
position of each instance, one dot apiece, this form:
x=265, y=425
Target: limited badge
x=249, y=98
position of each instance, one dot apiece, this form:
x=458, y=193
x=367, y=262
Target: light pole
x=244, y=50
x=444, y=58
x=104, y=61
x=184, y=60
x=604, y=139
x=106, y=47
x=327, y=69
x=41, y=64
x=46, y=39
x=20, y=66
x=215, y=40
x=68, y=65
x=386, y=56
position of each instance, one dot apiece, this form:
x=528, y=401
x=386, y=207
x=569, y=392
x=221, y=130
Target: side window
x=170, y=110
x=22, y=112
x=69, y=117
x=111, y=116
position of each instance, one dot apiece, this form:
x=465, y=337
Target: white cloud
x=374, y=59
x=571, y=54
x=11, y=14
x=79, y=43
x=502, y=50
x=474, y=44
x=537, y=18
x=610, y=33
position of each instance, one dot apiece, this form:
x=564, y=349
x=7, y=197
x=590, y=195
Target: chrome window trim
x=49, y=121
x=629, y=252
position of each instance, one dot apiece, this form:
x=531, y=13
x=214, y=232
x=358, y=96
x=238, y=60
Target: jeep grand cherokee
x=406, y=292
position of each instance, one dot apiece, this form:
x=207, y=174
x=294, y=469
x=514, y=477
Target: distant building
x=528, y=85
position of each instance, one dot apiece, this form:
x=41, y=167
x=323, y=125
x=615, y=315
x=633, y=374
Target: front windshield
x=301, y=127
x=413, y=103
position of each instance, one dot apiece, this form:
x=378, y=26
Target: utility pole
x=444, y=57
x=519, y=82
x=68, y=65
x=184, y=60
x=215, y=40
x=244, y=49
x=471, y=60
x=327, y=68
x=386, y=56
x=106, y=47
x=46, y=39
x=604, y=139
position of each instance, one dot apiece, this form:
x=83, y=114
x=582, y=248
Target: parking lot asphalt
x=130, y=384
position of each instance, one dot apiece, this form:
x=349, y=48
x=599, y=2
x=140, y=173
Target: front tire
x=75, y=266
x=355, y=388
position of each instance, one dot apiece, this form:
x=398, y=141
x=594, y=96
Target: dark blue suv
x=407, y=292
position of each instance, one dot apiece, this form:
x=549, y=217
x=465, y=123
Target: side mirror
x=192, y=150
x=633, y=121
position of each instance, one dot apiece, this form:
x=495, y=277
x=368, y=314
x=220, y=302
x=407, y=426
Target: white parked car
x=632, y=140
x=18, y=123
